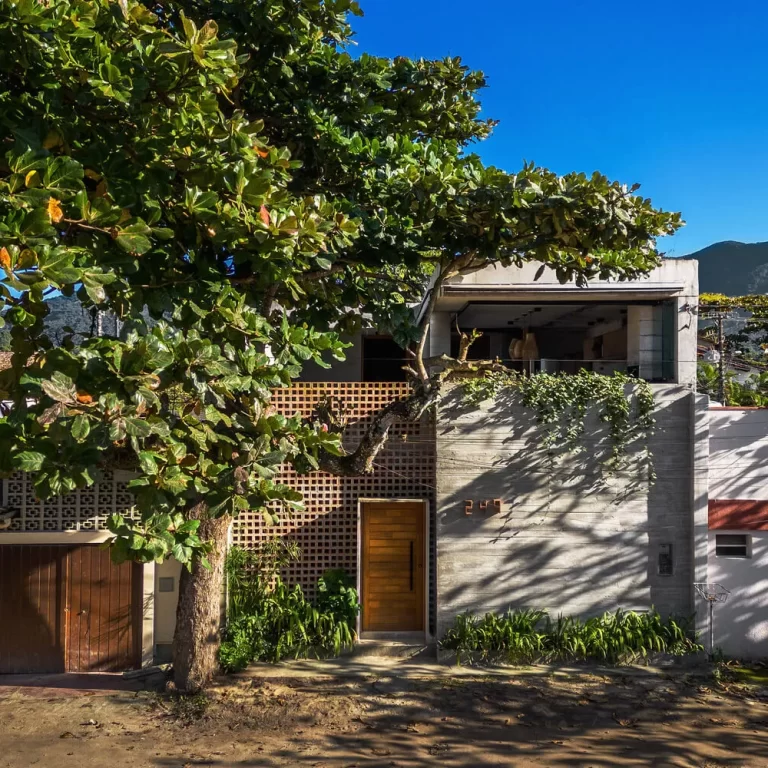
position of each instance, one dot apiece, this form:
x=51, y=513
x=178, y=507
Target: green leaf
x=135, y=238
x=30, y=461
x=81, y=426
x=137, y=427
x=148, y=462
x=37, y=222
x=180, y=553
x=60, y=388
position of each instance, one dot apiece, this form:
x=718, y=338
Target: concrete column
x=644, y=340
x=148, y=615
x=439, y=342
x=700, y=503
x=687, y=331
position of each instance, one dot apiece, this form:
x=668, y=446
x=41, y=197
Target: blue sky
x=669, y=94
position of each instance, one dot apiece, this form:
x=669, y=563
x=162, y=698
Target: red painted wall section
x=738, y=514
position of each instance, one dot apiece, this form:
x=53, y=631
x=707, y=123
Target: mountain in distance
x=733, y=268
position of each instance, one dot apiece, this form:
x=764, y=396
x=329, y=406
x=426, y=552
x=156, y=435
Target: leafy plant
x=561, y=402
x=751, y=393
x=269, y=621
x=526, y=636
x=337, y=596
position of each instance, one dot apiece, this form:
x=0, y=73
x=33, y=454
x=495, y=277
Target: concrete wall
x=644, y=340
x=741, y=623
x=670, y=272
x=165, y=608
x=568, y=538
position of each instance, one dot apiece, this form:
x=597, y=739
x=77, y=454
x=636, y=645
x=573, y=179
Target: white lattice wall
x=85, y=510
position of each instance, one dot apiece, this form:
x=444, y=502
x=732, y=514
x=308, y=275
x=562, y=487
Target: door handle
x=411, y=563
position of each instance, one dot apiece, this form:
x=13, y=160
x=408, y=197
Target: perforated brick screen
x=327, y=531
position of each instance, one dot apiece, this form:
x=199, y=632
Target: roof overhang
x=454, y=296
x=529, y=291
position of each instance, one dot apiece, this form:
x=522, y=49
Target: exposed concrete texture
x=440, y=334
x=569, y=538
x=700, y=443
x=669, y=275
x=165, y=607
x=644, y=340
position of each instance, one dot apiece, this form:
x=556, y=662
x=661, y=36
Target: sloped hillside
x=733, y=268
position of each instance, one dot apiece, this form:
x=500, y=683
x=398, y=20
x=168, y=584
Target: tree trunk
x=198, y=615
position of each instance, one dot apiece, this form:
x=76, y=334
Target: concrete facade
x=673, y=280
x=568, y=538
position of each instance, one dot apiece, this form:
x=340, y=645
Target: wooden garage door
x=393, y=554
x=68, y=609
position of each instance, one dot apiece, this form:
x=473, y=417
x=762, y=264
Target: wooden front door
x=66, y=608
x=393, y=555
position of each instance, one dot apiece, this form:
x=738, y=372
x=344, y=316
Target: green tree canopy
x=231, y=169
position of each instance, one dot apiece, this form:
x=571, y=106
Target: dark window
x=666, y=563
x=166, y=584
x=731, y=545
x=383, y=359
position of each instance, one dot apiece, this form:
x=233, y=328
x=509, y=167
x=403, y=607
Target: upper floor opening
x=531, y=322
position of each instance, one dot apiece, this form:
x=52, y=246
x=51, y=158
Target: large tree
x=241, y=191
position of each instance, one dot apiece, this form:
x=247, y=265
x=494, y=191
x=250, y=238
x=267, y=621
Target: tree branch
x=360, y=461
x=434, y=295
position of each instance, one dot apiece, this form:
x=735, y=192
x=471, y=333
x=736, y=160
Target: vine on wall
x=561, y=402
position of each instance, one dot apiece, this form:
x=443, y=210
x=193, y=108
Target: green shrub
x=526, y=636
x=336, y=595
x=269, y=621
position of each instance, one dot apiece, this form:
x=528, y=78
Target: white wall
x=741, y=623
x=738, y=454
x=165, y=608
x=738, y=469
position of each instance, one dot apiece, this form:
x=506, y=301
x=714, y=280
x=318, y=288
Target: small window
x=666, y=562
x=731, y=545
x=166, y=584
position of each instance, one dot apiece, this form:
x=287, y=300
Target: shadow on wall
x=738, y=454
x=571, y=537
x=741, y=623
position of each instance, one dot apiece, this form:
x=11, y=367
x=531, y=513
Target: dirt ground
x=534, y=719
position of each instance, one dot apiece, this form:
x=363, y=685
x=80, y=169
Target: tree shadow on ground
x=584, y=719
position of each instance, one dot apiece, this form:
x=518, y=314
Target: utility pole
x=721, y=360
